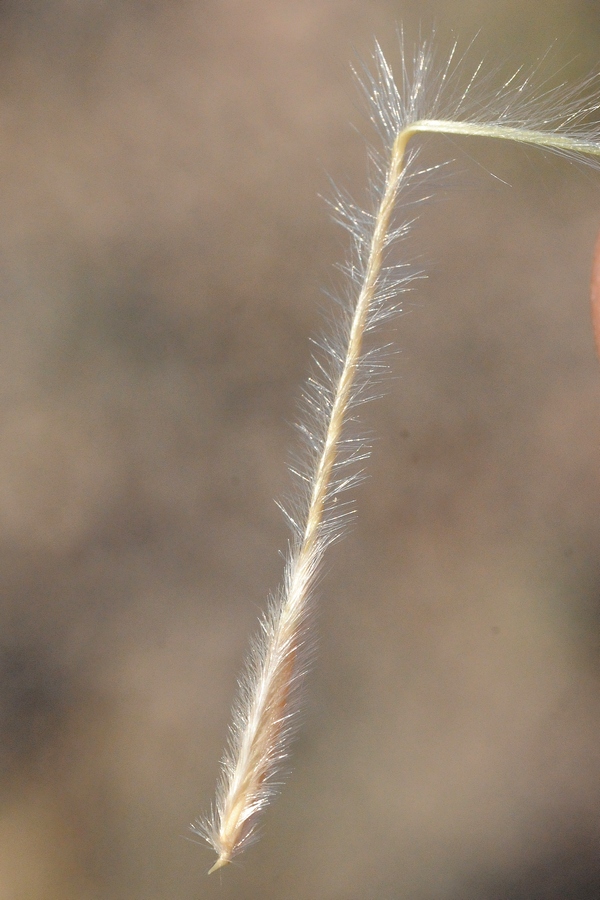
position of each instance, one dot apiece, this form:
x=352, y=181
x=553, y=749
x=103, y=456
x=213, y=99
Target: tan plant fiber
x=429, y=99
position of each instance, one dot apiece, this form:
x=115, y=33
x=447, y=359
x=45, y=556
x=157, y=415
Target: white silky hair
x=429, y=97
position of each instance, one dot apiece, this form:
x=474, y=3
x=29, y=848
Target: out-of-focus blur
x=162, y=253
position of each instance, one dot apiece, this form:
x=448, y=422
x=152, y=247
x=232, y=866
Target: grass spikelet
x=429, y=98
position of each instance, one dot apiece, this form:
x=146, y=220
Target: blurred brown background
x=162, y=252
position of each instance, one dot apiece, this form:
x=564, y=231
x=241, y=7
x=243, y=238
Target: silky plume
x=429, y=98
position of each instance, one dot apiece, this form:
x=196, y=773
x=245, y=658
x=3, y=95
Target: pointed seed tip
x=222, y=861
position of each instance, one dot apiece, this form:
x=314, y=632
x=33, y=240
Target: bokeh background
x=162, y=253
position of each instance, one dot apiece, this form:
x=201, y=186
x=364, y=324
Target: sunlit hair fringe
x=428, y=98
